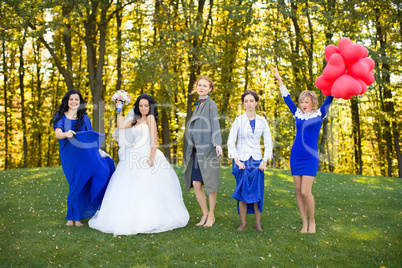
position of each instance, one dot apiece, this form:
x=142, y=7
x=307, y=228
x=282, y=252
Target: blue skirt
x=250, y=184
x=196, y=172
x=87, y=173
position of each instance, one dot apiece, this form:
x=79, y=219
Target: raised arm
x=325, y=106
x=120, y=123
x=284, y=91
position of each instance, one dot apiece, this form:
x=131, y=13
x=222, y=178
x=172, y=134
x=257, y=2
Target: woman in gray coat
x=203, y=153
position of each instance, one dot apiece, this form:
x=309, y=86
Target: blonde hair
x=312, y=95
x=211, y=84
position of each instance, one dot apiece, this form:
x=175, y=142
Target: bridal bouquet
x=121, y=95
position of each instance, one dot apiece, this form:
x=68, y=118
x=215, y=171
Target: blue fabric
x=252, y=124
x=86, y=171
x=250, y=184
x=304, y=153
x=196, y=172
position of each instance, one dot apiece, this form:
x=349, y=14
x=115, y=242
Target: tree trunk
x=195, y=64
x=66, y=75
x=310, y=51
x=38, y=104
x=166, y=134
x=296, y=46
x=387, y=102
x=358, y=167
x=22, y=93
x=6, y=130
x=119, y=46
x=397, y=148
x=66, y=10
x=95, y=68
x=324, y=147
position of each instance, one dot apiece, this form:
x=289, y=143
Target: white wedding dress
x=140, y=198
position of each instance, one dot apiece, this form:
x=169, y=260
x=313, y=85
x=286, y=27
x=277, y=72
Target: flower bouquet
x=121, y=95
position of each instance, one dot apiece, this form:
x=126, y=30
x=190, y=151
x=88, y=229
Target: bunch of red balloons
x=348, y=71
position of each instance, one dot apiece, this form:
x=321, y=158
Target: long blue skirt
x=250, y=184
x=87, y=173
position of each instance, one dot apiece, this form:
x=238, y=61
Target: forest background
x=160, y=47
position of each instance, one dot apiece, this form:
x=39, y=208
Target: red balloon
x=324, y=85
x=350, y=52
x=366, y=52
x=369, y=79
x=370, y=62
x=364, y=86
x=335, y=67
x=345, y=87
x=329, y=50
x=361, y=68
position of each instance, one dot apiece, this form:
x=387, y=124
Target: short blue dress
x=86, y=171
x=304, y=153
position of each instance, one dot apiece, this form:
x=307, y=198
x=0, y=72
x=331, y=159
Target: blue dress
x=86, y=171
x=249, y=182
x=304, y=153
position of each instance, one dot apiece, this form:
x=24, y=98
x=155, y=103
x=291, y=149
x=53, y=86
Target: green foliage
x=358, y=224
x=163, y=44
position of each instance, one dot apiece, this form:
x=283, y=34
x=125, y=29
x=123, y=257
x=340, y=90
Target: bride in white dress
x=144, y=193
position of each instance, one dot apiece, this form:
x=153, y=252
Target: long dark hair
x=63, y=107
x=152, y=107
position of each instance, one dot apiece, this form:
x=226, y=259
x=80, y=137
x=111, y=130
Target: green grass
x=358, y=225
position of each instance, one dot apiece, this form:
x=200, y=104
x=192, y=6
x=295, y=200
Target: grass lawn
x=358, y=225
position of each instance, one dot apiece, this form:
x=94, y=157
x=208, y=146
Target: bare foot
x=241, y=227
x=304, y=229
x=78, y=224
x=69, y=223
x=210, y=222
x=202, y=221
x=311, y=228
x=258, y=227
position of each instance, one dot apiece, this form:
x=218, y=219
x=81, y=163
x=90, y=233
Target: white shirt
x=248, y=143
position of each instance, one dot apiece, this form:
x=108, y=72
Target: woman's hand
x=151, y=161
x=274, y=71
x=263, y=165
x=103, y=153
x=119, y=103
x=70, y=134
x=239, y=164
x=218, y=150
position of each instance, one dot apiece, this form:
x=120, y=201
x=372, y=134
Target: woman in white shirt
x=248, y=163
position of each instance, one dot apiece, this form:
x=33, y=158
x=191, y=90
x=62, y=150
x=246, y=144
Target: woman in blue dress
x=248, y=163
x=87, y=168
x=304, y=153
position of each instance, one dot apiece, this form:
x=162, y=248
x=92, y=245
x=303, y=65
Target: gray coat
x=203, y=134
